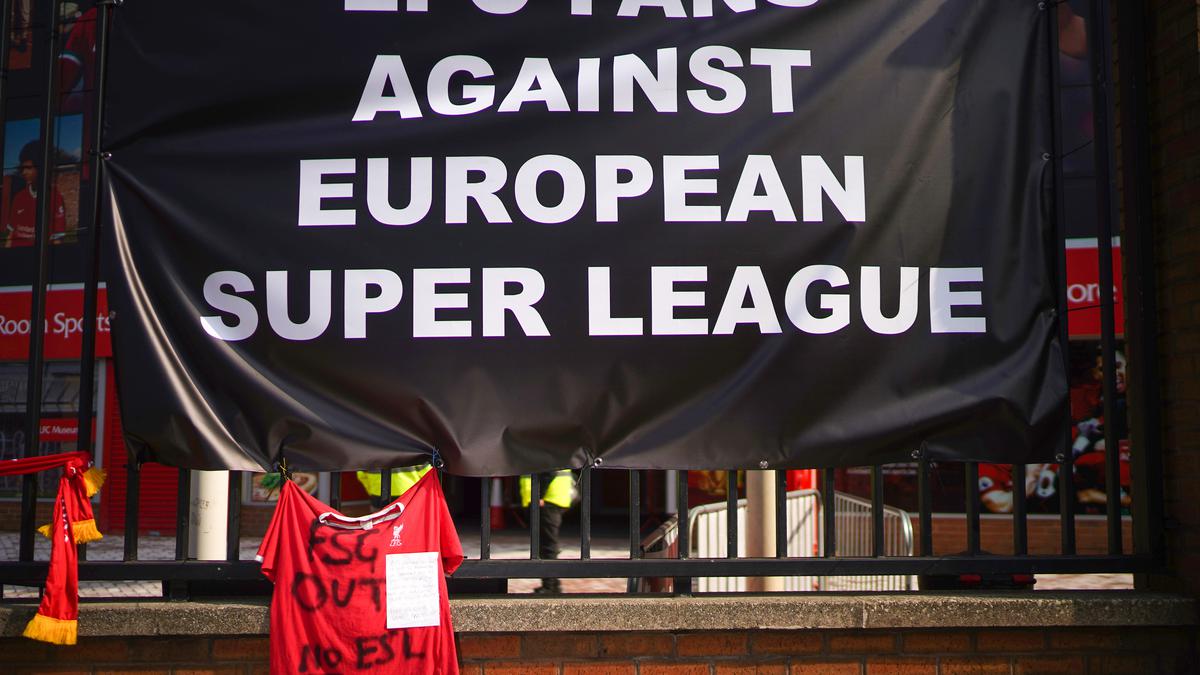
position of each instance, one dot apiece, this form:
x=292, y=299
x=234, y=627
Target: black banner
x=652, y=233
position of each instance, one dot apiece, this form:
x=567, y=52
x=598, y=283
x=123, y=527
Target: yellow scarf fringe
x=54, y=631
x=85, y=531
x=93, y=478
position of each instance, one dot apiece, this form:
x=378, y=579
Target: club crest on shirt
x=395, y=536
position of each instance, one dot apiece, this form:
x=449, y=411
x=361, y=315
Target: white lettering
x=320, y=294
x=574, y=189
x=477, y=97
x=600, y=318
x=610, y=188
x=427, y=300
x=359, y=304
x=942, y=300
x=313, y=189
x=420, y=191
x=747, y=280
x=817, y=179
x=664, y=299
x=387, y=69
x=871, y=304
x=836, y=304
x=496, y=302
x=218, y=299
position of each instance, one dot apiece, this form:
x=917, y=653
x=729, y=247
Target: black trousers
x=548, y=532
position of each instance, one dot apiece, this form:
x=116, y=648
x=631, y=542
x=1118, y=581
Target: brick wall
x=1173, y=66
x=820, y=652
x=1066, y=650
x=1043, y=535
x=10, y=514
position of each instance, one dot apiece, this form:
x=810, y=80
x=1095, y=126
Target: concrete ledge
x=731, y=612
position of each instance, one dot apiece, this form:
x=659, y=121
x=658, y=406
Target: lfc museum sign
x=656, y=233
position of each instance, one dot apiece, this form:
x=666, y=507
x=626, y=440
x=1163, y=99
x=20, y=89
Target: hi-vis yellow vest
x=560, y=491
x=402, y=479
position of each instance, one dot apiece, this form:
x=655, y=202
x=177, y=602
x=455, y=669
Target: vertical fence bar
x=133, y=493
x=37, y=309
x=781, y=521
x=178, y=590
x=1066, y=503
x=1020, y=511
x=28, y=483
x=385, y=486
x=829, y=509
x=91, y=240
x=585, y=513
x=1106, y=211
x=6, y=30
x=925, y=507
x=485, y=518
x=731, y=514
x=877, y=544
x=682, y=585
x=1141, y=306
x=183, y=515
x=90, y=245
x=335, y=490
x=233, y=523
x=535, y=516
x=971, y=492
x=635, y=513
x=1066, y=484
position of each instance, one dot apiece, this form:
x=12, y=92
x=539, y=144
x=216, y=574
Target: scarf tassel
x=54, y=631
x=84, y=531
x=93, y=478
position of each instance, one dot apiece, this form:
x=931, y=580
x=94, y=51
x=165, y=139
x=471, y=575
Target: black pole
x=1066, y=483
x=682, y=585
x=1106, y=209
x=485, y=518
x=877, y=543
x=829, y=511
x=535, y=516
x=635, y=514
x=731, y=514
x=1141, y=306
x=133, y=491
x=1020, y=511
x=91, y=239
x=925, y=506
x=6, y=29
x=971, y=488
x=37, y=309
x=585, y=513
x=233, y=518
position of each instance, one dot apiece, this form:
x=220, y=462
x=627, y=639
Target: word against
x=460, y=84
x=818, y=299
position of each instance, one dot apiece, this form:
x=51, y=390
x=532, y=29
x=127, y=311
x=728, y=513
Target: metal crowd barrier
x=708, y=525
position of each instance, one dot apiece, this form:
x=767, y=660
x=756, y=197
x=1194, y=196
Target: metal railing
x=709, y=526
x=845, y=549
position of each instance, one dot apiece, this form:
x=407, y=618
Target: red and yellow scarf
x=57, y=618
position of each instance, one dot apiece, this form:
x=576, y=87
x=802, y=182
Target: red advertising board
x=1083, y=289
x=63, y=327
x=60, y=430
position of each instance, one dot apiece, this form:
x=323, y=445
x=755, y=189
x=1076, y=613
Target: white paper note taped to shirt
x=412, y=590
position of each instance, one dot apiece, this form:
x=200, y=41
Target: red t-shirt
x=332, y=573
x=22, y=218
